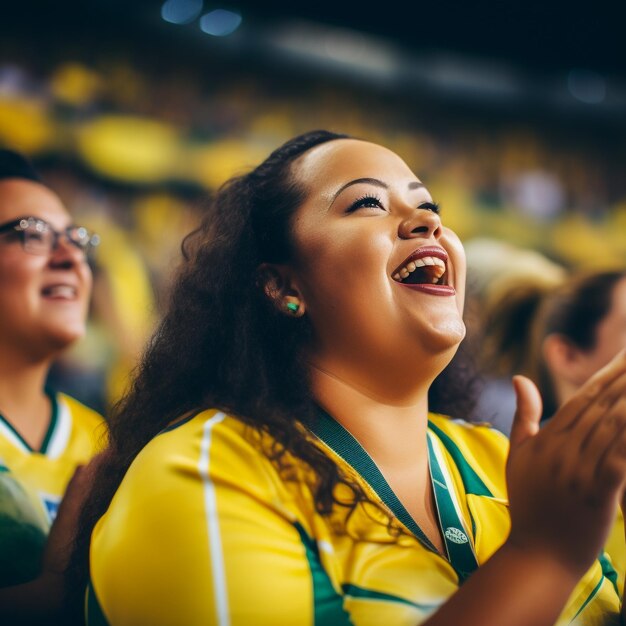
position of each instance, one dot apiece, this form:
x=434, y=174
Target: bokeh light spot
x=587, y=86
x=220, y=22
x=181, y=11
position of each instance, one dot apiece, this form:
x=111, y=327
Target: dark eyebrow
x=374, y=181
x=356, y=181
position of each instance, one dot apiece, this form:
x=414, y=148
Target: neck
x=391, y=428
x=22, y=390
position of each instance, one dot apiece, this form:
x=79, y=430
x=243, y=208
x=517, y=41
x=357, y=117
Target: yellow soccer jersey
x=73, y=437
x=616, y=549
x=23, y=531
x=205, y=531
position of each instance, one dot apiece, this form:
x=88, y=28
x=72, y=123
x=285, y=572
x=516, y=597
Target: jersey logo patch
x=455, y=535
x=50, y=505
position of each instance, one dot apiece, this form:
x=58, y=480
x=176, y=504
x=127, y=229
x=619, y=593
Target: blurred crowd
x=134, y=152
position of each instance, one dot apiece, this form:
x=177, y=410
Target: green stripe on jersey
x=328, y=604
x=93, y=611
x=591, y=596
x=472, y=482
x=608, y=571
x=354, y=591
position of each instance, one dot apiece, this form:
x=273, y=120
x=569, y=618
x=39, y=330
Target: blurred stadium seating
x=135, y=119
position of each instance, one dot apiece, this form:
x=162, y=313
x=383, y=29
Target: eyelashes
x=374, y=201
x=430, y=206
x=367, y=201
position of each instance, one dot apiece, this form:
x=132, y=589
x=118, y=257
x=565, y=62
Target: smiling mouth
x=428, y=270
x=61, y=292
x=426, y=266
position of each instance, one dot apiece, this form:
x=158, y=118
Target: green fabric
x=609, y=571
x=22, y=533
x=338, y=439
x=93, y=612
x=368, y=594
x=53, y=420
x=592, y=595
x=458, y=546
x=328, y=604
x=472, y=482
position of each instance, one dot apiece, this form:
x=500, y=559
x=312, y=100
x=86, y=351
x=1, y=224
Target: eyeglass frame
x=21, y=224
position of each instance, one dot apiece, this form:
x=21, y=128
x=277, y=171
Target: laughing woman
x=278, y=459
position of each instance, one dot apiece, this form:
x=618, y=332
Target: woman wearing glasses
x=45, y=286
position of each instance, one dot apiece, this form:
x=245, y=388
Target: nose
x=65, y=254
x=422, y=223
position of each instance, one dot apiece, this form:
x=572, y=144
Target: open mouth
x=61, y=292
x=426, y=266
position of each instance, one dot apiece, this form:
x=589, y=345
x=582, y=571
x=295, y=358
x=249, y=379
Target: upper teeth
x=64, y=291
x=439, y=268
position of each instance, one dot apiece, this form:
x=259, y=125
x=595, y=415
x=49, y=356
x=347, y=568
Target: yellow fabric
x=204, y=530
x=74, y=439
x=616, y=549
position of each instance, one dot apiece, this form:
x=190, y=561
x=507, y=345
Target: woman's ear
x=280, y=287
x=564, y=360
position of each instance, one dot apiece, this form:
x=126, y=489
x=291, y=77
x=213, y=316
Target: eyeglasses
x=38, y=237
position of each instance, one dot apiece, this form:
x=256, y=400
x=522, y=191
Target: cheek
x=87, y=277
x=345, y=268
x=610, y=340
x=16, y=276
x=456, y=253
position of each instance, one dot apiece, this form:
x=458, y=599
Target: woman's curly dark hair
x=223, y=344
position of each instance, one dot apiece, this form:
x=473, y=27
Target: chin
x=60, y=339
x=445, y=336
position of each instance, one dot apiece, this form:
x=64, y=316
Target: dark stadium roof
x=540, y=35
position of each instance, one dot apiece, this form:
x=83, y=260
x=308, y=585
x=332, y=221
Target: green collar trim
x=343, y=443
x=180, y=422
x=456, y=535
x=458, y=545
x=472, y=482
x=54, y=418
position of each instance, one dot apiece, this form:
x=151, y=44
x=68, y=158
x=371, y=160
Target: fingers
x=528, y=411
x=609, y=439
x=594, y=437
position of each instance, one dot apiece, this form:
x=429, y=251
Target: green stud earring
x=293, y=307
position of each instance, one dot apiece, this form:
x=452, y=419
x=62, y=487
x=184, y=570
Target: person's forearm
x=514, y=587
x=36, y=602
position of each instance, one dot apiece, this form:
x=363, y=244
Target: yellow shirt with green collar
x=204, y=530
x=74, y=435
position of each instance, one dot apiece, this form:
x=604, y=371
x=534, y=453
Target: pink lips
x=435, y=290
